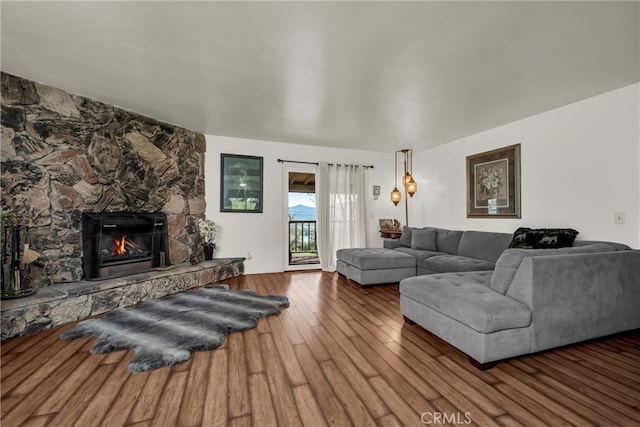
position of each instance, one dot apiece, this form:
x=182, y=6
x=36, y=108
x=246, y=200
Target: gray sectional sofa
x=422, y=251
x=437, y=250
x=493, y=302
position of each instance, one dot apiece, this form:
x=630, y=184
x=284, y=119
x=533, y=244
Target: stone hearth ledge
x=58, y=304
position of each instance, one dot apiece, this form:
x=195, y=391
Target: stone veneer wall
x=63, y=154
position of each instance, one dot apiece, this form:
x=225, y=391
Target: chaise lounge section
x=535, y=299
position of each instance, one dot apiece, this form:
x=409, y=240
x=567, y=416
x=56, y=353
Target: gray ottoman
x=376, y=265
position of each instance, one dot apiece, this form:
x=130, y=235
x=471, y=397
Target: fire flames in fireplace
x=122, y=246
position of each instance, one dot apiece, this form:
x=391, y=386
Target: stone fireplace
x=93, y=180
x=65, y=156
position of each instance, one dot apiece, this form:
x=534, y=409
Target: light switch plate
x=618, y=217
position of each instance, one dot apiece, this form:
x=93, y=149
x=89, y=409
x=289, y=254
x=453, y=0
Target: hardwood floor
x=339, y=355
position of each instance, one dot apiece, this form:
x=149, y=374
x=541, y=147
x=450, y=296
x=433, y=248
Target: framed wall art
x=240, y=183
x=493, y=183
x=386, y=224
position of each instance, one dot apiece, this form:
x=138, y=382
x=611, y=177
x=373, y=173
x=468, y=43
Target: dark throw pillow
x=543, y=238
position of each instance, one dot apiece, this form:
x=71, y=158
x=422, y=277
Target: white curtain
x=340, y=211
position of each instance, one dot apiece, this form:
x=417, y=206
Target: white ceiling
x=366, y=75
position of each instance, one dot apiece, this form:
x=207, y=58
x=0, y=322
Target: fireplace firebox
x=121, y=243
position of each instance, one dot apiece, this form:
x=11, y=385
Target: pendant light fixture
x=409, y=184
x=395, y=194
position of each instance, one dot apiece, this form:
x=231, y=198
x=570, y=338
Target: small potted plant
x=207, y=229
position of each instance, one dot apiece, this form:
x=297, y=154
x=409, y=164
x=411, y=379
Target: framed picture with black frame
x=241, y=183
x=493, y=183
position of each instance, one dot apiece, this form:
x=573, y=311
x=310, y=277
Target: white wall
x=580, y=164
x=262, y=234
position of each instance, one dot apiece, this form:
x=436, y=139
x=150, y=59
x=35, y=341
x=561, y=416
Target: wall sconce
x=409, y=184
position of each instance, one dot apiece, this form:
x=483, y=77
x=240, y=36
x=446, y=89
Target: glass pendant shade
x=396, y=196
x=412, y=187
x=406, y=179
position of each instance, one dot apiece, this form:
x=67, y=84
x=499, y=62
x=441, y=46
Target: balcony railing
x=303, y=247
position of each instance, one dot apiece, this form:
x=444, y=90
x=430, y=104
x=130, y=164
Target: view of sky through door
x=302, y=206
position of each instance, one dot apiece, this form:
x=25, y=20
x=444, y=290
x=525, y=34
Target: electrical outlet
x=618, y=217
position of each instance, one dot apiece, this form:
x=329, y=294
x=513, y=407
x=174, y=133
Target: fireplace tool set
x=16, y=256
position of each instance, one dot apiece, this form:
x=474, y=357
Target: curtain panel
x=340, y=211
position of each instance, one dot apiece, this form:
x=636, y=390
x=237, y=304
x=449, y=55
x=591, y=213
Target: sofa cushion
x=375, y=258
x=391, y=244
x=510, y=260
x=453, y=263
x=424, y=239
x=448, y=240
x=483, y=244
x=543, y=238
x=419, y=254
x=405, y=237
x=466, y=298
x=614, y=245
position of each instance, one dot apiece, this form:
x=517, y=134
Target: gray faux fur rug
x=165, y=331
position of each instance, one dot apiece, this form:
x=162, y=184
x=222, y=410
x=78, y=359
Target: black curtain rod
x=316, y=163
